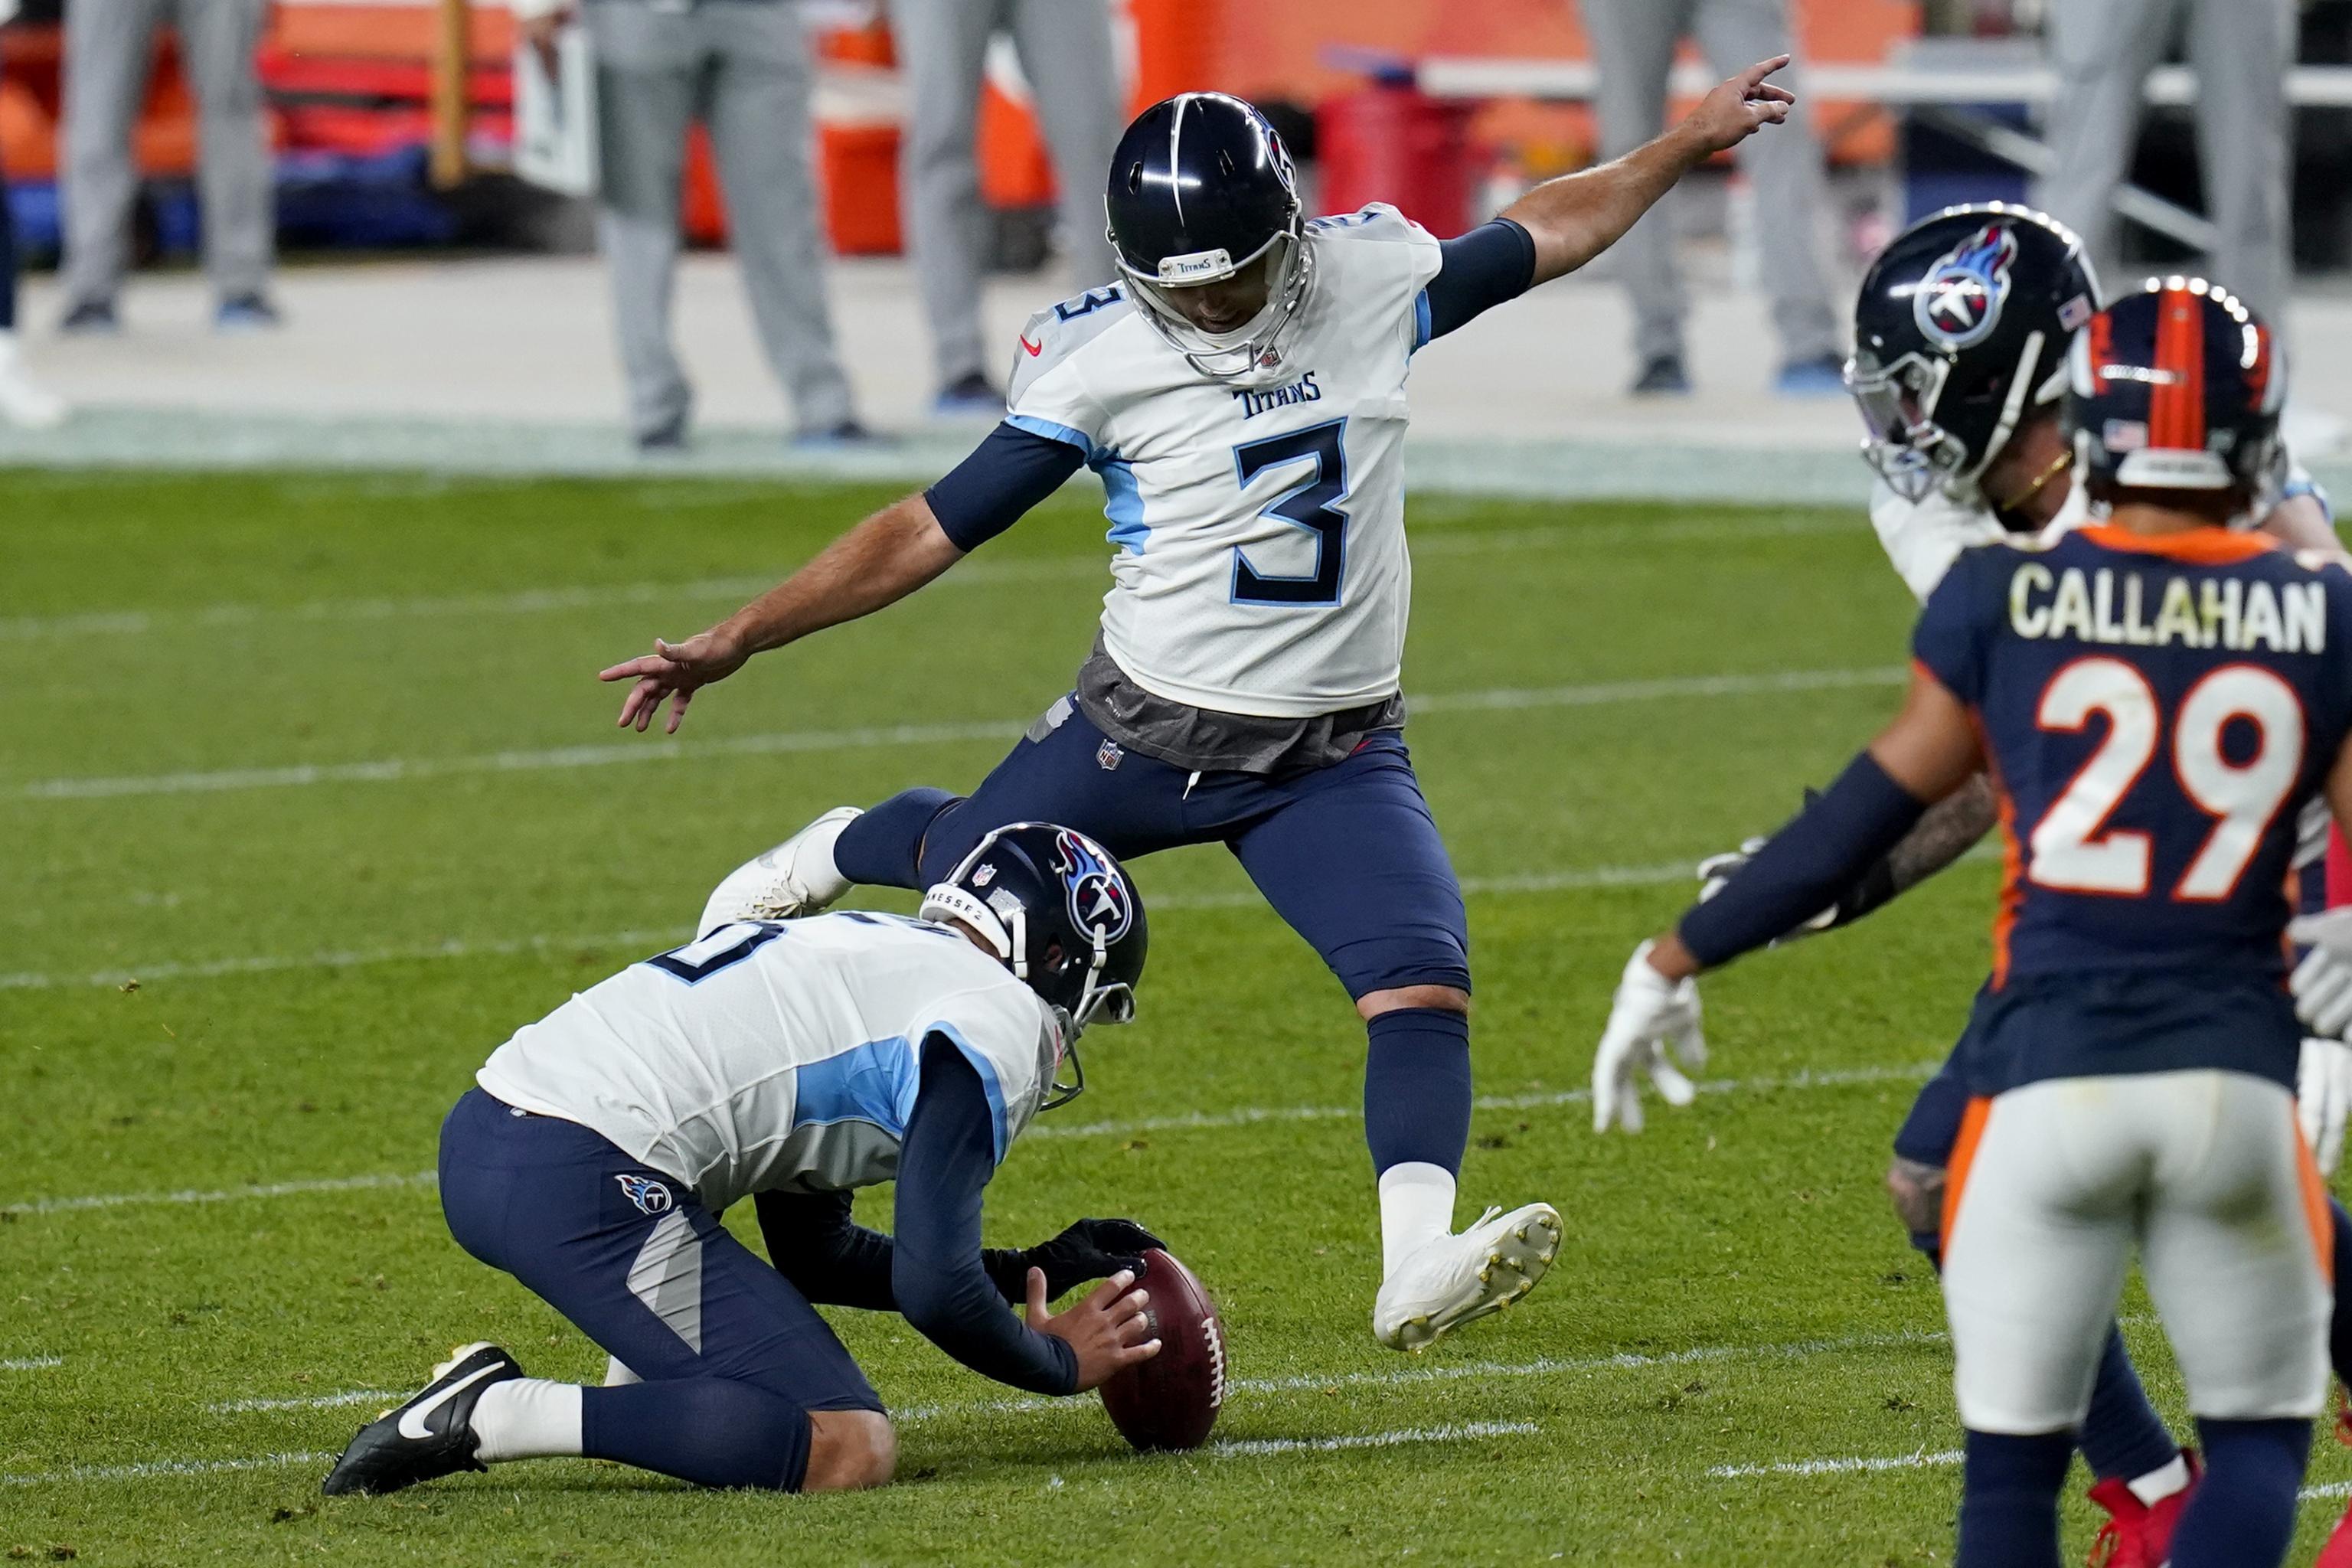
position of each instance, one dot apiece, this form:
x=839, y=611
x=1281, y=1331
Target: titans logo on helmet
x=1101, y=900
x=1958, y=304
x=649, y=1196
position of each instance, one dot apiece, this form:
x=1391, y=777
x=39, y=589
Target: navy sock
x=2123, y=1437
x=7, y=264
x=2339, y=1326
x=1417, y=1088
x=2009, y=1505
x=712, y=1431
x=882, y=847
x=2242, y=1513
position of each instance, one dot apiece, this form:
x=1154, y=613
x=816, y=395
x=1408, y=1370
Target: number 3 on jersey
x=2074, y=851
x=1312, y=503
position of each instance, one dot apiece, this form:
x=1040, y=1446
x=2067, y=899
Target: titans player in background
x=2155, y=697
x=1241, y=392
x=1961, y=330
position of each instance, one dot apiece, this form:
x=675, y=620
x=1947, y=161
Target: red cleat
x=2138, y=1535
x=2338, y=1553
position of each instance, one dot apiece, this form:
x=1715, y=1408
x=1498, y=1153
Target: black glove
x=1090, y=1249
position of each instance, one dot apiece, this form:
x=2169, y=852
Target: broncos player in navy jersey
x=1241, y=392
x=2155, y=696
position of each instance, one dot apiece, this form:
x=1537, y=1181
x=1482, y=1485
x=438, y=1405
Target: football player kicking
x=2154, y=698
x=1241, y=392
x=1961, y=326
x=791, y=1063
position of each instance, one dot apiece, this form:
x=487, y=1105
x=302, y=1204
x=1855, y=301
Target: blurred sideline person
x=1633, y=44
x=1241, y=391
x=741, y=69
x=2159, y=696
x=1960, y=396
x=109, y=49
x=2240, y=49
x=1066, y=53
x=24, y=402
x=791, y=1064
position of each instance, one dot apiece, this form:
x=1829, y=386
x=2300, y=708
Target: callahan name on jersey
x=2107, y=605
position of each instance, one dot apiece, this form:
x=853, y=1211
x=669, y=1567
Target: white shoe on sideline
x=24, y=402
x=796, y=878
x=1456, y=1278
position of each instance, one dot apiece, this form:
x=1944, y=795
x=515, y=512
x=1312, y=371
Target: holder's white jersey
x=781, y=1054
x=1260, y=520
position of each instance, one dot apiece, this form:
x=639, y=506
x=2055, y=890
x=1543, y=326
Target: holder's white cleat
x=796, y=878
x=1456, y=1278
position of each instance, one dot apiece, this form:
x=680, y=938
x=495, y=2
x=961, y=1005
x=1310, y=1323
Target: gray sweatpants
x=2240, y=49
x=1064, y=47
x=741, y=67
x=109, y=45
x=1633, y=44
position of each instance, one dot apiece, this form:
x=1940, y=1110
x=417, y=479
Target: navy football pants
x=733, y=1357
x=1348, y=854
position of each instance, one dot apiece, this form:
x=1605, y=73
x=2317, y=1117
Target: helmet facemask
x=1289, y=265
x=1907, y=447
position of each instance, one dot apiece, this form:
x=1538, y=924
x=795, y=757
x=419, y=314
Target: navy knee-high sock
x=883, y=847
x=2009, y=1506
x=1417, y=1088
x=712, y=1431
x=7, y=264
x=2339, y=1326
x=2242, y=1513
x=2122, y=1435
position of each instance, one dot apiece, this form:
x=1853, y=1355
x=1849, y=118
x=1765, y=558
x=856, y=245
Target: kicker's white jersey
x=781, y=1054
x=1261, y=566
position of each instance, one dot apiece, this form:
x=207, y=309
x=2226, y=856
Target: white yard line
x=1924, y=1459
x=155, y=1468
x=1245, y=1116
x=313, y=1401
x=1572, y=880
x=32, y=1364
x=1461, y=1432
x=647, y=749
x=1427, y=540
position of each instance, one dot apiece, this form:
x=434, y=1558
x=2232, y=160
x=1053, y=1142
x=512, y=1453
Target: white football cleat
x=796, y=878
x=1458, y=1278
x=24, y=402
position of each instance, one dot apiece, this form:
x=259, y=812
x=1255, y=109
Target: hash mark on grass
x=390, y=770
x=32, y=1364
x=1246, y=1116
x=1914, y=1461
x=154, y=1468
x=1458, y=1432
x=311, y=1402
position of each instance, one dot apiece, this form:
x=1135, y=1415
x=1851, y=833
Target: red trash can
x=1396, y=145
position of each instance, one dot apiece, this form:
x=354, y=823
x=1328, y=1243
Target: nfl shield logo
x=1109, y=755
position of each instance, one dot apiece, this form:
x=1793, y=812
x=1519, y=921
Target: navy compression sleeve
x=1004, y=476
x=1492, y=263
x=829, y=1258
x=1806, y=866
x=935, y=1271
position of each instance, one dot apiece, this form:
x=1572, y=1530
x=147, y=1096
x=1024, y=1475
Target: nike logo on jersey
x=1303, y=390
x=1035, y=349
x=412, y=1420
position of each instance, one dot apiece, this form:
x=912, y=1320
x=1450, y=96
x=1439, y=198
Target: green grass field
x=323, y=764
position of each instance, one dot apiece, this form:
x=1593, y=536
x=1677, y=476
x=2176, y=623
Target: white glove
x=2323, y=981
x=1714, y=874
x=1650, y=1013
x=2323, y=1095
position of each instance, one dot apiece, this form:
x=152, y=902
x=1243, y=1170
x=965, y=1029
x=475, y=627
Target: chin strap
x=2040, y=481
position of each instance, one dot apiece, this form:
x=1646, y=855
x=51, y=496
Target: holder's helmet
x=1201, y=190
x=1961, y=328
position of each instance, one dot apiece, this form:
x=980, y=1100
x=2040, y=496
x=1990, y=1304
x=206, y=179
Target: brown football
x=1172, y=1401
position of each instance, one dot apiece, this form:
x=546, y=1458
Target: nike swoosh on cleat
x=1035, y=349
x=412, y=1420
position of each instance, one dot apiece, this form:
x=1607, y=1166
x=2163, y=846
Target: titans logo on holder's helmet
x=1098, y=894
x=1958, y=302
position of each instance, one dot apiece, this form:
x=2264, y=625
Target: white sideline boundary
x=1428, y=540
x=648, y=749
x=1576, y=879
x=1246, y=1116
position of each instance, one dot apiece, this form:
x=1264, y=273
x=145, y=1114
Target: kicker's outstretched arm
x=1575, y=218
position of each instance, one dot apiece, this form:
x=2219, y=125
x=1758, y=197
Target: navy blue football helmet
x=1962, y=327
x=2177, y=386
x=1201, y=190
x=1064, y=918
